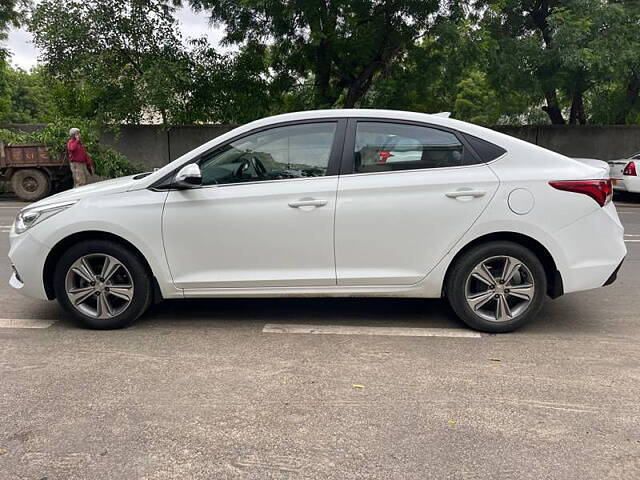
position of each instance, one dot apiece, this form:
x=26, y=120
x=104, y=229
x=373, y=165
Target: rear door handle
x=466, y=193
x=308, y=202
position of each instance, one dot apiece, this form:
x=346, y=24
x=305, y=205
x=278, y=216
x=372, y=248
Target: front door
x=264, y=215
x=408, y=195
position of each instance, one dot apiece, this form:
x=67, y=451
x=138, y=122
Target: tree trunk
x=552, y=108
x=577, y=114
x=631, y=99
x=540, y=13
x=324, y=97
x=324, y=25
x=360, y=86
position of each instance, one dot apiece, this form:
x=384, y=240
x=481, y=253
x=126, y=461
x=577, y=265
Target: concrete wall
x=605, y=142
x=154, y=146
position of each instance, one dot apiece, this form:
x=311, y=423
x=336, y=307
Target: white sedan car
x=624, y=174
x=301, y=205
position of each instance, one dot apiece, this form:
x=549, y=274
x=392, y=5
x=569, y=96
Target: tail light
x=600, y=190
x=630, y=169
x=383, y=156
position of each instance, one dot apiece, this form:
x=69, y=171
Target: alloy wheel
x=499, y=288
x=99, y=286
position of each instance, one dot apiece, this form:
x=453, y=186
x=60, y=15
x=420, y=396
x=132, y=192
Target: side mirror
x=189, y=176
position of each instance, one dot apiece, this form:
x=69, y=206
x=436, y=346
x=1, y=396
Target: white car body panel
x=392, y=228
x=395, y=233
x=225, y=221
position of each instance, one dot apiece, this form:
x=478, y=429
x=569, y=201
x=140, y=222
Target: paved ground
x=197, y=390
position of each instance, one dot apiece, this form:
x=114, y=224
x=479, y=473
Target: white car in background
x=301, y=205
x=625, y=174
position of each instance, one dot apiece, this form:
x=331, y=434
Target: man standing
x=79, y=159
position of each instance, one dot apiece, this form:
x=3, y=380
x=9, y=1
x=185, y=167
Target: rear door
x=395, y=220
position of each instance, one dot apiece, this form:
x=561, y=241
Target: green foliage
x=10, y=15
x=29, y=98
x=487, y=61
x=339, y=47
x=118, y=60
x=476, y=102
x=562, y=54
x=108, y=162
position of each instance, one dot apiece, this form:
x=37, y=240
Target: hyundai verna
x=330, y=203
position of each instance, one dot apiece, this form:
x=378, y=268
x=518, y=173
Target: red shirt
x=77, y=152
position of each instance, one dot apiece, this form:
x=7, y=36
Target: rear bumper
x=593, y=249
x=614, y=275
x=627, y=184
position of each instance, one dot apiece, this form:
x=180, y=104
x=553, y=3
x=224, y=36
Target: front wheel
x=497, y=287
x=103, y=284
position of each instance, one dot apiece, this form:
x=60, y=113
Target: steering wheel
x=254, y=162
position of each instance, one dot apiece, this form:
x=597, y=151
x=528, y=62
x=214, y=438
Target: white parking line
x=25, y=323
x=356, y=330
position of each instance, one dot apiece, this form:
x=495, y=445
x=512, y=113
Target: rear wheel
x=30, y=184
x=103, y=284
x=497, y=287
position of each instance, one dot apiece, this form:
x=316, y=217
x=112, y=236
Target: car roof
x=352, y=113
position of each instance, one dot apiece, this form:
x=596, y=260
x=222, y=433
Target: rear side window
x=485, y=150
x=386, y=146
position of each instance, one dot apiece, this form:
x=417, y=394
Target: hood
x=107, y=187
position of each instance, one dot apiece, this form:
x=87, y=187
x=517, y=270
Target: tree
x=10, y=16
x=11, y=12
x=119, y=60
x=610, y=54
x=523, y=55
x=30, y=98
x=337, y=46
x=426, y=78
x=558, y=51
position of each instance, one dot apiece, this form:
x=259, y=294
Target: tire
x=482, y=308
x=30, y=184
x=109, y=303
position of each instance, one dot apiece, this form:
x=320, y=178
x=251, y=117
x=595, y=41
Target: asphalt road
x=197, y=390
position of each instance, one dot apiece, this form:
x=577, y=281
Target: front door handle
x=308, y=202
x=466, y=193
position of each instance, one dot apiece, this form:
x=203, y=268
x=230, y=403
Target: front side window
x=294, y=151
x=381, y=146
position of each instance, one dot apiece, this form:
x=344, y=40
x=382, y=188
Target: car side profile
x=304, y=204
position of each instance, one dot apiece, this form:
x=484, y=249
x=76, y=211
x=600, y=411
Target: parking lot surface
x=323, y=388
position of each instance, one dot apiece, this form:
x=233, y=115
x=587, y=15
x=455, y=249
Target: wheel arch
x=555, y=287
x=62, y=245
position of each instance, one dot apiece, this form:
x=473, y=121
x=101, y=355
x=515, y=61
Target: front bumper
x=27, y=257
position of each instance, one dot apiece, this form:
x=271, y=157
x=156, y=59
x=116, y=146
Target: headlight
x=31, y=216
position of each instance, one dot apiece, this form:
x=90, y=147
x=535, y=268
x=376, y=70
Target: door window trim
x=347, y=166
x=333, y=166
